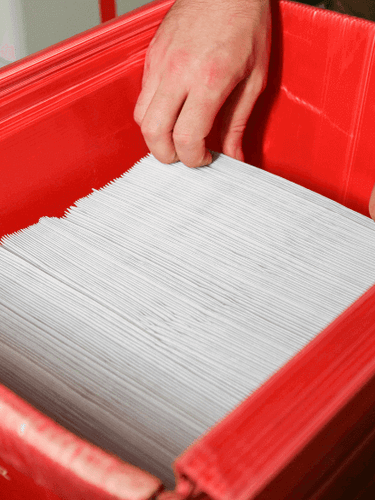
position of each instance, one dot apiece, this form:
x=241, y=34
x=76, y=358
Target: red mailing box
x=66, y=126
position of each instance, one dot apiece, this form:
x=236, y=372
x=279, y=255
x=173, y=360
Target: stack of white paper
x=157, y=304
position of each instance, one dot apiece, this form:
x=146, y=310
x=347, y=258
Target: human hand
x=203, y=52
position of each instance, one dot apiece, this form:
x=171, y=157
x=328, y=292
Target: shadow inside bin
x=253, y=142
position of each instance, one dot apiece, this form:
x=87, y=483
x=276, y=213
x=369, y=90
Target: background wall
x=12, y=39
x=27, y=26
x=46, y=22
x=124, y=6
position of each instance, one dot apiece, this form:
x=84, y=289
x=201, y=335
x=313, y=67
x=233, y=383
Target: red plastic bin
x=66, y=126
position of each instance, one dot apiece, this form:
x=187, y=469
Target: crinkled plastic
x=66, y=126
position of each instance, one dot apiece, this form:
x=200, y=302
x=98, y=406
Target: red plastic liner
x=107, y=10
x=66, y=126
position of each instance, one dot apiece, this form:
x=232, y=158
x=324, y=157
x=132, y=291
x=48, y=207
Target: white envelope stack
x=158, y=303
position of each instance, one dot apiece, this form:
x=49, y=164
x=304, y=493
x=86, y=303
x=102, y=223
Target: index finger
x=194, y=123
x=160, y=118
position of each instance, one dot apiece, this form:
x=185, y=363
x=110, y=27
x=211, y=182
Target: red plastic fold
x=66, y=126
x=58, y=461
x=316, y=408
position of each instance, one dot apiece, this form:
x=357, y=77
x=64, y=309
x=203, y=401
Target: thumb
x=238, y=110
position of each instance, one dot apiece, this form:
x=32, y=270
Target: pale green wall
x=32, y=25
x=50, y=21
x=12, y=33
x=124, y=6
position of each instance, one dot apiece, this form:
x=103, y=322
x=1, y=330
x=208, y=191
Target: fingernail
x=239, y=154
x=207, y=159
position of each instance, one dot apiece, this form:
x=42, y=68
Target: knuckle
x=149, y=131
x=183, y=138
x=221, y=77
x=214, y=73
x=237, y=128
x=152, y=43
x=151, y=46
x=262, y=85
x=137, y=116
x=242, y=71
x=178, y=61
x=211, y=62
x=260, y=82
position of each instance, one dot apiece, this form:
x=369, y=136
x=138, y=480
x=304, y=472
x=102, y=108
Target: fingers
x=150, y=83
x=175, y=123
x=160, y=117
x=238, y=111
x=372, y=204
x=193, y=126
x=184, y=87
x=196, y=120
